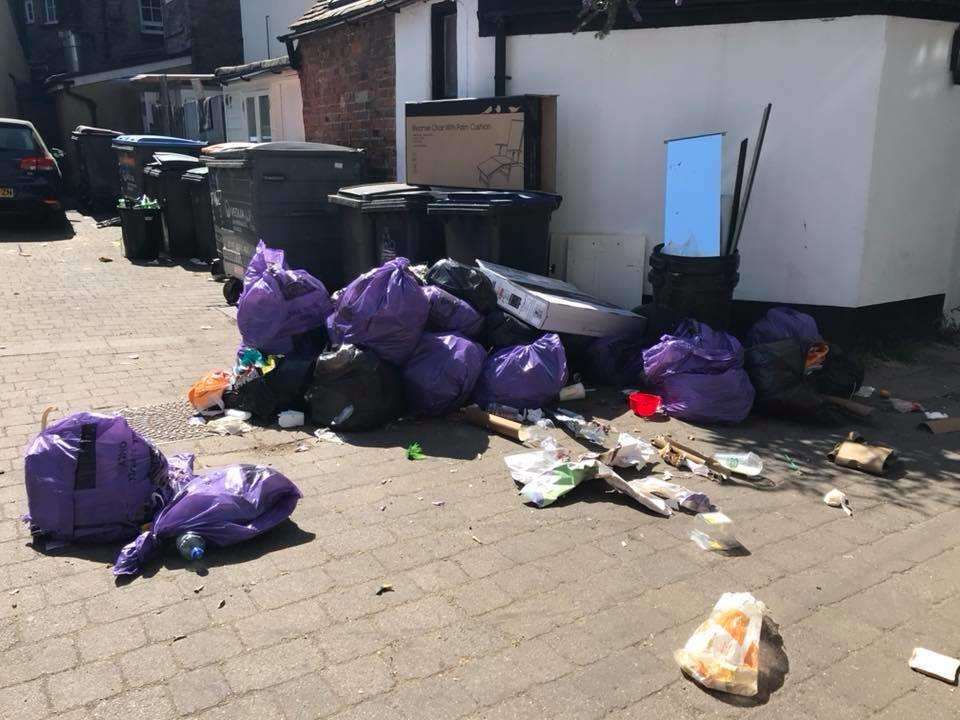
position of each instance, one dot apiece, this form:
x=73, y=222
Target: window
x=28, y=13
x=151, y=16
x=258, y=118
x=50, y=12
x=444, y=53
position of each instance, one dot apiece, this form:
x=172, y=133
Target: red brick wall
x=347, y=76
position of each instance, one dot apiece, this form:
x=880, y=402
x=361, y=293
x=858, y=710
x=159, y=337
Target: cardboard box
x=506, y=143
x=555, y=306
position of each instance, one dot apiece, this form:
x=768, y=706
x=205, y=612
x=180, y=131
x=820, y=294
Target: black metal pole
x=500, y=60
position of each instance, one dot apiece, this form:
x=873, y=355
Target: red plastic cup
x=643, y=404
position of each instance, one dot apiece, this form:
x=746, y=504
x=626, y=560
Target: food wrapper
x=724, y=652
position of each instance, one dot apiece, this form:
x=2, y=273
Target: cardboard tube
x=502, y=426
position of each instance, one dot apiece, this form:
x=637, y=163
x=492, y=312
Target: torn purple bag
x=225, y=506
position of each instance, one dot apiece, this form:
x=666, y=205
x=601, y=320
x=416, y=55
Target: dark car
x=30, y=179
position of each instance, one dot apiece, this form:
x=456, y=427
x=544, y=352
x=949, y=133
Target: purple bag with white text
x=91, y=478
x=451, y=314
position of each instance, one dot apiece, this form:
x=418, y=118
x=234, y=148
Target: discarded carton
x=555, y=306
x=942, y=427
x=855, y=453
x=935, y=665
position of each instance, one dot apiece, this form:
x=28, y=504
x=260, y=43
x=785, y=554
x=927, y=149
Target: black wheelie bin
x=277, y=192
x=135, y=151
x=163, y=181
x=98, y=183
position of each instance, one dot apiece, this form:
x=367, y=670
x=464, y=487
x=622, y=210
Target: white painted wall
x=819, y=226
x=914, y=203
x=286, y=106
x=255, y=36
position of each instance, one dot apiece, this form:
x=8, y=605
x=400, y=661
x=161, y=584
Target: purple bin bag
x=263, y=257
x=441, y=373
x=783, y=323
x=699, y=374
x=91, y=478
x=225, y=506
x=616, y=360
x=383, y=310
x=279, y=303
x=523, y=376
x=449, y=313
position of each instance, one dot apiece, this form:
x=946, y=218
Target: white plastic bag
x=724, y=652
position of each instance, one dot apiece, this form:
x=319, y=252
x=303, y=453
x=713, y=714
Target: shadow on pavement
x=25, y=229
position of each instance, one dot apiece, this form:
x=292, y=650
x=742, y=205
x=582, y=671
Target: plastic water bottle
x=191, y=546
x=714, y=531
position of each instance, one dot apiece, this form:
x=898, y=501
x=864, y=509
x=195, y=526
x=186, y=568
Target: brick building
x=346, y=60
x=82, y=54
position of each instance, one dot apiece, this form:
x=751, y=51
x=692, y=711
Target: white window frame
x=29, y=14
x=151, y=26
x=50, y=12
x=255, y=134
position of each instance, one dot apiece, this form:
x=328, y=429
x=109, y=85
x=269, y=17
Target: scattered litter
x=385, y=588
x=196, y=420
x=105, y=259
x=415, y=452
x=865, y=391
x=935, y=665
x=838, y=499
x=238, y=414
x=748, y=464
x=291, y=419
x=133, y=357
x=21, y=253
x=573, y=392
x=714, y=531
x=579, y=427
x=855, y=453
x=221, y=604
x=439, y=503
x=683, y=458
x=644, y=404
x=328, y=436
x=302, y=447
x=383, y=508
x=630, y=452
x=934, y=415
x=477, y=540
x=198, y=589
x=724, y=652
x=790, y=463
x=677, y=496
x=228, y=426
x=207, y=392
x=941, y=427
x=905, y=406
x=206, y=327
x=198, y=262
x=178, y=638
x=623, y=543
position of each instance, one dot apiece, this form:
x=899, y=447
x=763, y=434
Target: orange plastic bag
x=724, y=652
x=207, y=392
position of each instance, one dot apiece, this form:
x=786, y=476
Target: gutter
x=320, y=25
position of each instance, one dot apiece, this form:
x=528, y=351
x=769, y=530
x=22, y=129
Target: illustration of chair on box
x=509, y=156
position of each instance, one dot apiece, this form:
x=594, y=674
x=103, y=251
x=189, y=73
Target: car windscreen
x=16, y=140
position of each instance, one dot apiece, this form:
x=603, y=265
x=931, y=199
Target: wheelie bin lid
x=376, y=197
x=284, y=149
x=86, y=130
x=491, y=201
x=196, y=175
x=170, y=162
x=129, y=141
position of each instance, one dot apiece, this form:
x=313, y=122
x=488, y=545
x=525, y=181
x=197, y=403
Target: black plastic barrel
x=197, y=183
x=98, y=183
x=700, y=288
x=162, y=181
x=508, y=227
x=142, y=233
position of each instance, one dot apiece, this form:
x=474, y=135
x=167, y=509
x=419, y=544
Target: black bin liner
x=266, y=396
x=354, y=390
x=464, y=282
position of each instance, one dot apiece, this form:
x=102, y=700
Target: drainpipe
x=500, y=76
x=90, y=103
x=291, y=52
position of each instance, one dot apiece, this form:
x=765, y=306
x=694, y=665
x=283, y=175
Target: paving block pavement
x=498, y=610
